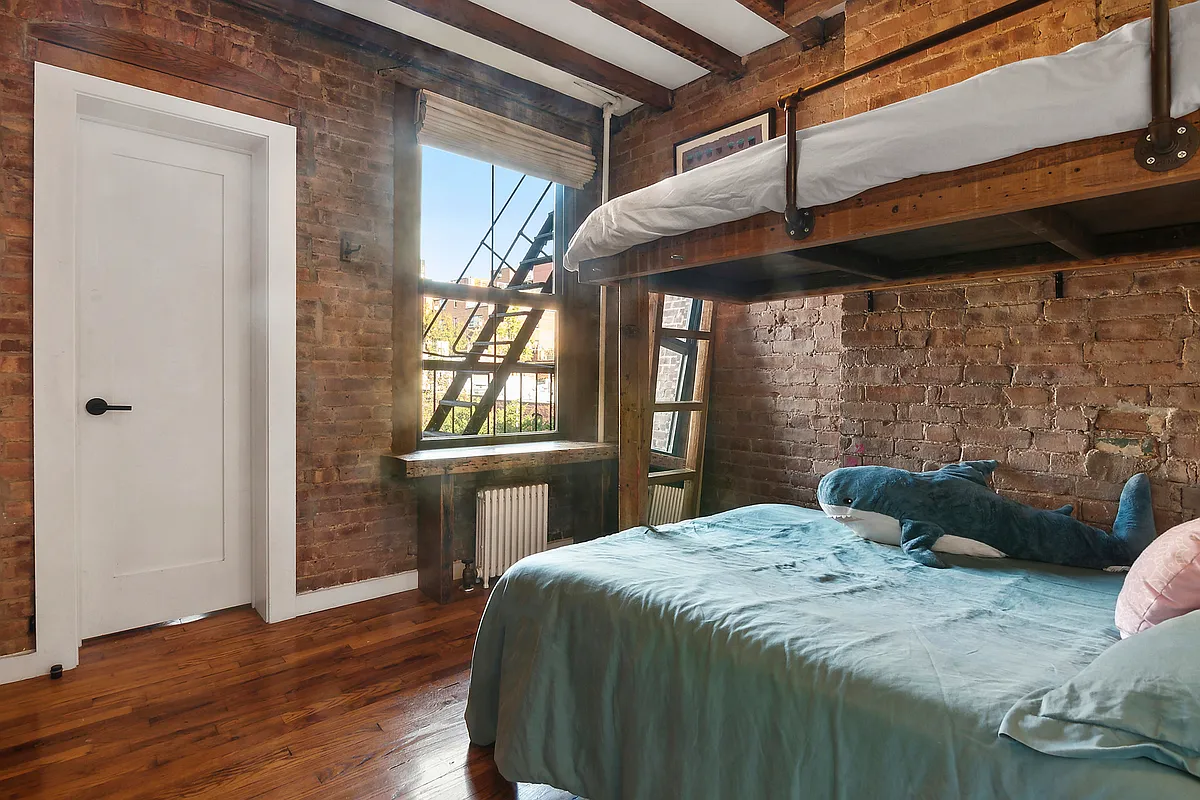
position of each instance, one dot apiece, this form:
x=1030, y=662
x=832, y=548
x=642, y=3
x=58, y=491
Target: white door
x=164, y=255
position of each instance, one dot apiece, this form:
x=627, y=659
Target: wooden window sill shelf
x=464, y=460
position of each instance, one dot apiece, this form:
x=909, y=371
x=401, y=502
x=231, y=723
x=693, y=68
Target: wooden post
x=407, y=316
x=698, y=425
x=578, y=326
x=435, y=537
x=634, y=423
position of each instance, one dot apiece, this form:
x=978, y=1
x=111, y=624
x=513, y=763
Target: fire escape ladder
x=485, y=343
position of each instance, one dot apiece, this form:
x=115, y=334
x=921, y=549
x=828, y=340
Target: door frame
x=61, y=98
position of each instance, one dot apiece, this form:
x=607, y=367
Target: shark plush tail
x=1135, y=517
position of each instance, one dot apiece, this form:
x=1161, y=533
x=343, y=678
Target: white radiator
x=666, y=504
x=510, y=523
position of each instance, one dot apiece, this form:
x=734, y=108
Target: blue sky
x=456, y=212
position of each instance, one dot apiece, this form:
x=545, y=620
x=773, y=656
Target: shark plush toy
x=953, y=510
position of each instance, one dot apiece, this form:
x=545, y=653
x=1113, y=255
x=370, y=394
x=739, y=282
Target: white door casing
x=63, y=102
x=163, y=263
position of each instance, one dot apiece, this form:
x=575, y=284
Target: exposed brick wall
x=1072, y=395
x=350, y=526
x=775, y=404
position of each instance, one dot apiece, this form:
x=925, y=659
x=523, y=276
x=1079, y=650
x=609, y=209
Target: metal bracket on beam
x=870, y=302
x=1058, y=286
x=1176, y=147
x=1168, y=143
x=799, y=222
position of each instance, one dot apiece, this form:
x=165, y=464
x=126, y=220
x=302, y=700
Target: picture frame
x=724, y=141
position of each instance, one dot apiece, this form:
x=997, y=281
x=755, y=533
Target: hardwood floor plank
x=364, y=701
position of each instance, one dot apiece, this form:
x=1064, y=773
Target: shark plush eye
x=848, y=500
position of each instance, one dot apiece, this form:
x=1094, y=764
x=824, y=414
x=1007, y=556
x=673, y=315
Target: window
x=677, y=364
x=487, y=257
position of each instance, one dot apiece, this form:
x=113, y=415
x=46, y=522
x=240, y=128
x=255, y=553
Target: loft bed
x=1035, y=167
x=1021, y=170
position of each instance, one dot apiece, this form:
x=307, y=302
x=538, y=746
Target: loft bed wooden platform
x=1109, y=202
x=1089, y=204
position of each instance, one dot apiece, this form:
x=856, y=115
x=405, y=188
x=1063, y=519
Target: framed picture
x=715, y=145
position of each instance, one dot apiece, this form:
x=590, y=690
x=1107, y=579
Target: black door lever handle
x=98, y=405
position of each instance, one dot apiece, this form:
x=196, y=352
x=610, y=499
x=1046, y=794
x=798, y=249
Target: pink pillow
x=1164, y=582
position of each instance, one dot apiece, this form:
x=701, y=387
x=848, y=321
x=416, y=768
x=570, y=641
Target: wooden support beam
x=1059, y=229
x=809, y=33
x=1069, y=173
x=162, y=56
x=510, y=34
x=407, y=305
x=488, y=294
x=798, y=13
x=633, y=465
x=665, y=32
x=424, y=66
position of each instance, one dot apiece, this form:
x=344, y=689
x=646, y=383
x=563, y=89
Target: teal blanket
x=769, y=652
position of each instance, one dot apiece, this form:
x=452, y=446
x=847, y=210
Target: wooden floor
x=364, y=701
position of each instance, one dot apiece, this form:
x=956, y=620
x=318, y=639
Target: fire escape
x=470, y=386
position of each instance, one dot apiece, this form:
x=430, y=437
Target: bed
x=769, y=652
x=1027, y=166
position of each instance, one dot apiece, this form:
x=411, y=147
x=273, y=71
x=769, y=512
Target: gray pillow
x=1139, y=699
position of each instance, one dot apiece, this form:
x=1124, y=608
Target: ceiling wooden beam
x=512, y=35
x=665, y=32
x=1059, y=229
x=801, y=12
x=425, y=66
x=809, y=33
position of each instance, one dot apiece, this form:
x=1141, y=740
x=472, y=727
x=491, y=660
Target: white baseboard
x=22, y=666
x=344, y=595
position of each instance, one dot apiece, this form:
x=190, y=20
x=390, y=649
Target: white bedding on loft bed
x=1095, y=89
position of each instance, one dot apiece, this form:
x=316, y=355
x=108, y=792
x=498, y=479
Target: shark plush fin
x=1135, y=516
x=974, y=471
x=1066, y=510
x=917, y=540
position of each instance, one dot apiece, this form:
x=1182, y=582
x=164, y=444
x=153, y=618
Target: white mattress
x=1094, y=89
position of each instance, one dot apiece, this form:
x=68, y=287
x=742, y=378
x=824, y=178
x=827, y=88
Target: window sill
x=462, y=460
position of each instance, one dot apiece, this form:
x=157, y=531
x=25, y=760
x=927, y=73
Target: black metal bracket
x=1177, y=149
x=1058, y=286
x=870, y=302
x=799, y=222
x=1169, y=143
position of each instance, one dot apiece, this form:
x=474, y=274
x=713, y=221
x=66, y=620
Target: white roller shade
x=450, y=125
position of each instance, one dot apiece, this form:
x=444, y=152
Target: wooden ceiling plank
x=425, y=66
x=512, y=35
x=654, y=26
x=1059, y=229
